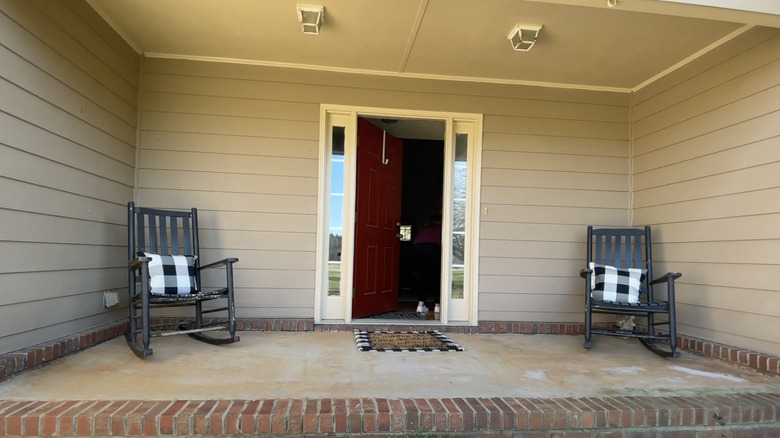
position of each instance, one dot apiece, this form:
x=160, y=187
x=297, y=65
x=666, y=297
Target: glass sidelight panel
x=459, y=210
x=336, y=226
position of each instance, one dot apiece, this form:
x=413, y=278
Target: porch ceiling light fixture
x=311, y=18
x=523, y=36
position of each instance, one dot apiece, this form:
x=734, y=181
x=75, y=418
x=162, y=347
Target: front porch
x=292, y=378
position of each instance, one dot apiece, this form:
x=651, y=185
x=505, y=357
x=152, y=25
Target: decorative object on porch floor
x=619, y=280
x=404, y=341
x=397, y=315
x=165, y=271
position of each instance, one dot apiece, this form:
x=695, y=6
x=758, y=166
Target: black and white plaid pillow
x=171, y=274
x=617, y=285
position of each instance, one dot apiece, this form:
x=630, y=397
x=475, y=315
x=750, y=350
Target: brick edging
x=752, y=359
x=27, y=359
x=694, y=416
x=24, y=360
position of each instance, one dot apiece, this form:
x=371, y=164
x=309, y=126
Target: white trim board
x=385, y=73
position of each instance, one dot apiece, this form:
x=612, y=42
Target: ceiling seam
x=413, y=35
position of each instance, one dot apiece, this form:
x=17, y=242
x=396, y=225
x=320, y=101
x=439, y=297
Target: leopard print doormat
x=404, y=341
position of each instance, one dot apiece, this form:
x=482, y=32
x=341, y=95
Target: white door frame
x=338, y=309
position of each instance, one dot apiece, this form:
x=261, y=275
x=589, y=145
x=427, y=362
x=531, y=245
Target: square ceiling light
x=523, y=36
x=311, y=18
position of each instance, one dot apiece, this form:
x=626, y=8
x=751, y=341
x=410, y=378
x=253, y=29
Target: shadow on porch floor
x=270, y=381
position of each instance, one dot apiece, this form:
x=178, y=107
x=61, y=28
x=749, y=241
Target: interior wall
x=240, y=142
x=707, y=178
x=423, y=178
x=68, y=109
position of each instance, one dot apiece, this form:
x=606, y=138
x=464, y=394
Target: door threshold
x=377, y=321
x=394, y=322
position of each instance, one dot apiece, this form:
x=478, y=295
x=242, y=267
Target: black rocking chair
x=165, y=271
x=619, y=280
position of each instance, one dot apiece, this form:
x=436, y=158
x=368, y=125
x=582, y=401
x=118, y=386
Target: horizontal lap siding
x=249, y=164
x=68, y=93
x=543, y=181
x=241, y=143
x=707, y=178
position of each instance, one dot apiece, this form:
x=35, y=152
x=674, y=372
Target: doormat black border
x=364, y=344
x=397, y=315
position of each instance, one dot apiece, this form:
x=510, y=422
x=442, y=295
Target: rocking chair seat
x=195, y=296
x=642, y=306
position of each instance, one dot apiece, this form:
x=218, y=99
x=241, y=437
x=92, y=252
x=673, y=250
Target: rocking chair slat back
x=164, y=232
x=620, y=248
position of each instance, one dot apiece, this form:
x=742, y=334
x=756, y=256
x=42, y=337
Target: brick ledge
x=725, y=415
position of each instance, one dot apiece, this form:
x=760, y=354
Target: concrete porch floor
x=318, y=383
x=328, y=364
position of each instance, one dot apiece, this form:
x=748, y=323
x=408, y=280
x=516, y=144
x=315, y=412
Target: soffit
x=590, y=46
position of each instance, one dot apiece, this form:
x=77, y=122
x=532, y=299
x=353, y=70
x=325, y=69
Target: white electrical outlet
x=110, y=299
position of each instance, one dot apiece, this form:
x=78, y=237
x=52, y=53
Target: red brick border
x=749, y=415
x=751, y=359
x=23, y=360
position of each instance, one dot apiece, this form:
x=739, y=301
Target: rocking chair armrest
x=223, y=262
x=669, y=276
x=136, y=264
x=585, y=272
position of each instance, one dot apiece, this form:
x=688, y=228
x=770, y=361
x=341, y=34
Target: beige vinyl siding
x=707, y=178
x=68, y=93
x=240, y=142
x=543, y=181
x=250, y=167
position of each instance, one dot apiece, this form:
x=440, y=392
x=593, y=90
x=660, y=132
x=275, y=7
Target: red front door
x=378, y=211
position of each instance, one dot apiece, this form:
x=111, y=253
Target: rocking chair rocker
x=165, y=271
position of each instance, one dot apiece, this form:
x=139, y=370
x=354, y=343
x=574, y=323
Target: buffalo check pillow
x=171, y=274
x=617, y=285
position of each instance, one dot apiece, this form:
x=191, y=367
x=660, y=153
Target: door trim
x=338, y=309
